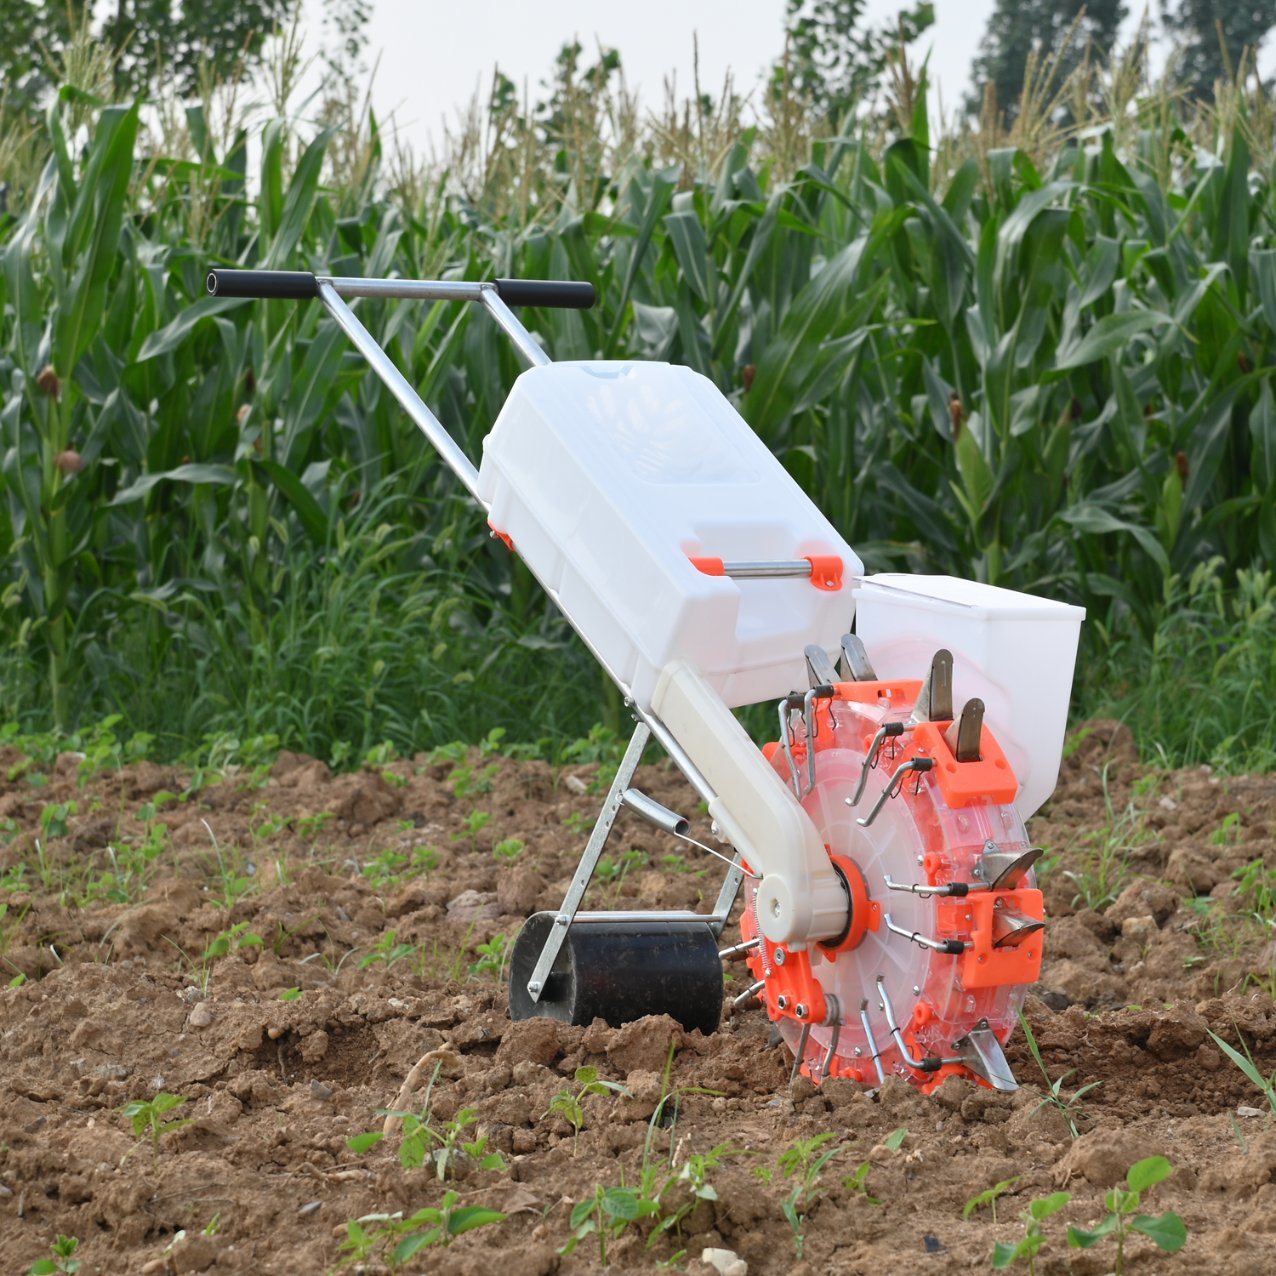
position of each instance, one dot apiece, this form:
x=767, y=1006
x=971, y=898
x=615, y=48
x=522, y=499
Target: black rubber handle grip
x=291, y=285
x=546, y=292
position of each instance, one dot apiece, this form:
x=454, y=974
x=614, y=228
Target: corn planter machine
x=891, y=921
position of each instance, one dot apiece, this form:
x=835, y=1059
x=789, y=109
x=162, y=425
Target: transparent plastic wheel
x=946, y=921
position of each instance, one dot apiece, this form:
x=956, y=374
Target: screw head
x=801, y=1011
x=534, y=987
x=779, y=957
x=782, y=1001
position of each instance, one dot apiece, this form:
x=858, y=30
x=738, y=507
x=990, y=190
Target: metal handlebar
x=301, y=285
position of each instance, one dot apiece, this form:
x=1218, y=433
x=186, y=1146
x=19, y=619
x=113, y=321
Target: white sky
x=435, y=53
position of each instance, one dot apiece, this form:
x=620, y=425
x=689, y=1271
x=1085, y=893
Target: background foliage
x=1040, y=354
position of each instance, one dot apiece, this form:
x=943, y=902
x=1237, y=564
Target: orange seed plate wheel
x=936, y=957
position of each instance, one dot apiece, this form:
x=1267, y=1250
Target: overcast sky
x=433, y=54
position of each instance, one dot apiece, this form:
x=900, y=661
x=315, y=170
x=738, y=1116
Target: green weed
x=1245, y=1062
x=1056, y=1097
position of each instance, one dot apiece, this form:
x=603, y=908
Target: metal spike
x=799, y=1053
x=964, y=735
x=855, y=661
x=1004, y=870
x=1010, y=927
x=935, y=699
x=872, y=1043
x=819, y=668
x=740, y=950
x=832, y=1050
x=981, y=1052
x=751, y=991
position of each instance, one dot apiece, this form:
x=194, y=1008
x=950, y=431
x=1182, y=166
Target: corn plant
x=1045, y=366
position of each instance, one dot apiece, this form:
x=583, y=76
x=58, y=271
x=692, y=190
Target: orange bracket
x=709, y=566
x=982, y=965
x=503, y=537
x=826, y=571
x=963, y=783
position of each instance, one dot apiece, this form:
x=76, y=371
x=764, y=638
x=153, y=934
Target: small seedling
x=1055, y=1097
x=988, y=1197
x=803, y=1162
x=858, y=1182
x=1228, y=831
x=63, y=1260
x=492, y=956
x=147, y=1116
x=509, y=849
x=400, y=1238
x=54, y=818
x=1005, y=1254
x=310, y=826
x=465, y=780
x=1245, y=1062
x=422, y=1143
x=606, y=1214
x=568, y=1105
x=232, y=941
x=475, y=823
x=691, y=1181
x=1168, y=1230
x=388, y=950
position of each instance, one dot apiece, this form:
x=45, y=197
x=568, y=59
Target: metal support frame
x=332, y=292
x=588, y=861
x=569, y=914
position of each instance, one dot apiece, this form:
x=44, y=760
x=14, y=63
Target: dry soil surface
x=280, y=948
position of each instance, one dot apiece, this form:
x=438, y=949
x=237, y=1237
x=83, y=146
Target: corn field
x=1046, y=366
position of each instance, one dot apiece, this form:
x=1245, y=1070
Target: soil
x=351, y=910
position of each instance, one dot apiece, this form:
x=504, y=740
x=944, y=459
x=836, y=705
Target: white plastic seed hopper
x=891, y=920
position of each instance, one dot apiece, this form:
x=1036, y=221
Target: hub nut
x=782, y=1001
x=801, y=1011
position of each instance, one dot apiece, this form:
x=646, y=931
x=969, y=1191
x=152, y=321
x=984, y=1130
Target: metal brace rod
x=887, y=731
x=767, y=571
x=588, y=861
x=872, y=1042
x=523, y=340
x=931, y=1064
x=398, y=385
x=799, y=1052
x=831, y=1051
x=917, y=765
x=923, y=890
x=950, y=946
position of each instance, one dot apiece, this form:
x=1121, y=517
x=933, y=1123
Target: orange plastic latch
x=874, y=692
x=982, y=965
x=709, y=566
x=503, y=537
x=962, y=783
x=826, y=571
